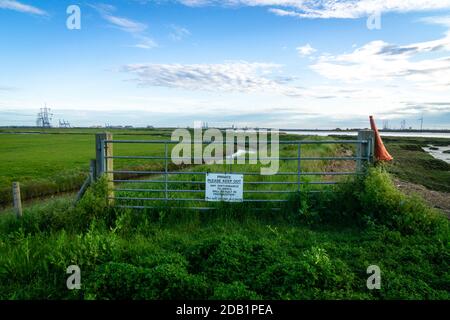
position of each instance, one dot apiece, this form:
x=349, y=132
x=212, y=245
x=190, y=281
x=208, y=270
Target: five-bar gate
x=151, y=180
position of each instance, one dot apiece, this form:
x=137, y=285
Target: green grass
x=58, y=161
x=411, y=163
x=47, y=164
x=318, y=247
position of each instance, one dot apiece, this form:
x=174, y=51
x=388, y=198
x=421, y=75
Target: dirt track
x=436, y=199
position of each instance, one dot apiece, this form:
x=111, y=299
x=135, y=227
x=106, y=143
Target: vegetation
x=411, y=163
x=47, y=164
x=318, y=247
x=57, y=160
x=53, y=161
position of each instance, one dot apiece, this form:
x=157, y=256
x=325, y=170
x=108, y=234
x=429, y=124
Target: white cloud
x=125, y=24
x=178, y=33
x=20, y=7
x=145, y=42
x=306, y=50
x=424, y=107
x=440, y=20
x=196, y=3
x=228, y=77
x=135, y=28
x=284, y=13
x=379, y=60
x=330, y=8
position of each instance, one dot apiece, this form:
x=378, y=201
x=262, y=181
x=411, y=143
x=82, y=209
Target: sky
x=269, y=63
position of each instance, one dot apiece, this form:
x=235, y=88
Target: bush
x=374, y=200
x=384, y=204
x=125, y=281
x=93, y=205
x=306, y=277
x=234, y=291
x=62, y=214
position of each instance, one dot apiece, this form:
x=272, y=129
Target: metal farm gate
x=142, y=181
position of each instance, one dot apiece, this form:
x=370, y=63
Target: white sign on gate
x=224, y=187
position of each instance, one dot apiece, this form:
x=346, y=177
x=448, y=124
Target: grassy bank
x=411, y=163
x=319, y=246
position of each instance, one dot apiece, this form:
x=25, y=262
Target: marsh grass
x=411, y=163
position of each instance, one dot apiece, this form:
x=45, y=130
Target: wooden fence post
x=365, y=150
x=104, y=164
x=17, y=199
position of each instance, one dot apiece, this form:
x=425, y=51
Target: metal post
x=104, y=162
x=89, y=180
x=365, y=150
x=104, y=152
x=299, y=168
x=99, y=154
x=83, y=189
x=166, y=171
x=109, y=167
x=231, y=162
x=17, y=199
x=92, y=170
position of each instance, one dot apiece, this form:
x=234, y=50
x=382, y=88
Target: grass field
x=411, y=163
x=317, y=248
x=47, y=164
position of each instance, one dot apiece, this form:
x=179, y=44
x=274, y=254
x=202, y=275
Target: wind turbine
x=421, y=122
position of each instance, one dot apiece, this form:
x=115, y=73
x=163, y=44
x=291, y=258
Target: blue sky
x=277, y=63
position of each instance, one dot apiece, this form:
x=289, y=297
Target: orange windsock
x=381, y=154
